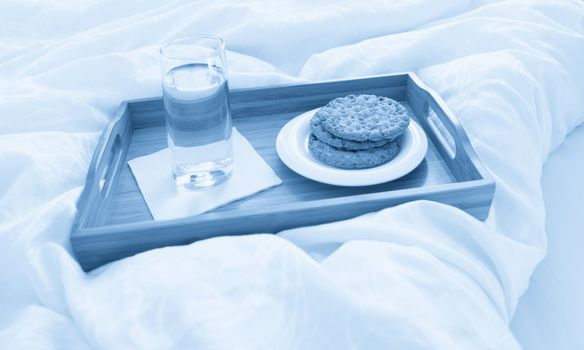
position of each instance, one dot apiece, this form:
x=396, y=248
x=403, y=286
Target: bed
x=418, y=276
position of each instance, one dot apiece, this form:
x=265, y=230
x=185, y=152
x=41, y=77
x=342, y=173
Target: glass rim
x=213, y=51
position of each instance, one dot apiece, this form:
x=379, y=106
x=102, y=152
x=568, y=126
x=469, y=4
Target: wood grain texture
x=114, y=222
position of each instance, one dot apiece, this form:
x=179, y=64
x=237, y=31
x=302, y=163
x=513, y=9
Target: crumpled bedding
x=418, y=276
x=549, y=314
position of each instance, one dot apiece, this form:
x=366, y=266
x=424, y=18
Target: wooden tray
x=113, y=220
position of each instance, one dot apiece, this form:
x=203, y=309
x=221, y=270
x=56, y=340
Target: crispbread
x=364, y=118
x=347, y=159
x=320, y=132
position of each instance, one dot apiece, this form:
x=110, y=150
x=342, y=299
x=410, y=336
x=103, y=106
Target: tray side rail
x=445, y=131
x=262, y=101
x=107, y=161
x=97, y=246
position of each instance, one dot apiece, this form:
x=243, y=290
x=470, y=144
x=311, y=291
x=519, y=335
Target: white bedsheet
x=550, y=314
x=421, y=275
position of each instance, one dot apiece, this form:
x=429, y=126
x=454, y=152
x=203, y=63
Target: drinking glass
x=196, y=104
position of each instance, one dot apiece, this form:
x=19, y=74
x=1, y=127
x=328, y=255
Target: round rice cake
x=364, y=118
x=320, y=132
x=347, y=159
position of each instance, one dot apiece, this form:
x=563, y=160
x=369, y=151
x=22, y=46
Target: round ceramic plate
x=292, y=147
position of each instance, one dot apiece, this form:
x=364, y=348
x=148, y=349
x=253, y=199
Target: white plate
x=292, y=147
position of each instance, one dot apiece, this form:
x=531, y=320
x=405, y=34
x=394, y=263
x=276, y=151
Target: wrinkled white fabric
x=549, y=315
x=418, y=276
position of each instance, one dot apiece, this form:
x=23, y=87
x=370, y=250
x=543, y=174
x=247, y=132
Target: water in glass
x=198, y=124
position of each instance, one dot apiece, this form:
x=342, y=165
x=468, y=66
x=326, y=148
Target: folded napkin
x=251, y=174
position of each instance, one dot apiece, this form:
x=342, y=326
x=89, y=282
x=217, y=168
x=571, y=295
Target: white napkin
x=251, y=174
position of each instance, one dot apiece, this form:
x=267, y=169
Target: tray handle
x=108, y=167
x=105, y=164
x=445, y=131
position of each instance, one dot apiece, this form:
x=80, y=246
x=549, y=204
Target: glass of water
x=196, y=104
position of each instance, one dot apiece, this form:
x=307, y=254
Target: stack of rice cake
x=358, y=131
